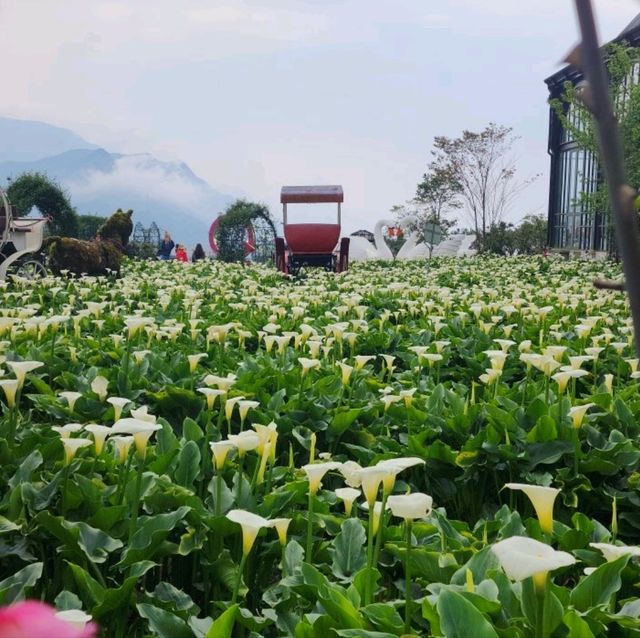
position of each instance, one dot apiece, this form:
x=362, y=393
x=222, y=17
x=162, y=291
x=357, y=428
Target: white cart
x=20, y=238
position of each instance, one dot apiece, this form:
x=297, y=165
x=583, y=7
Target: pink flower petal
x=34, y=619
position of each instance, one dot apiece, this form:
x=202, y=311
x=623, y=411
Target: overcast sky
x=256, y=94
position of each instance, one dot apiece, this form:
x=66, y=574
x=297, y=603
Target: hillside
x=99, y=181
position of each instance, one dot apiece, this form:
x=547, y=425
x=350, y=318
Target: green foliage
x=231, y=233
x=528, y=238
x=36, y=189
x=142, y=542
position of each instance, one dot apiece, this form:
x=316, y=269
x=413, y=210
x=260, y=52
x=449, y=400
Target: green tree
x=88, y=225
x=622, y=61
x=531, y=235
x=438, y=193
x=499, y=239
x=482, y=168
x=528, y=238
x=231, y=235
x=36, y=189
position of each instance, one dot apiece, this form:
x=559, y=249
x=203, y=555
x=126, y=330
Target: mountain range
x=99, y=182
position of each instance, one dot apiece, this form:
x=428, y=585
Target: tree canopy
x=36, y=189
x=481, y=171
x=231, y=234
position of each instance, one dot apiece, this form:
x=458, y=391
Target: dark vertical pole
x=596, y=97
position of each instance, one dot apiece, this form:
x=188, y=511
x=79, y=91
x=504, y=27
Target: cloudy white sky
x=254, y=94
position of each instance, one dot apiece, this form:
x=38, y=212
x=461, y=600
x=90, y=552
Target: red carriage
x=311, y=244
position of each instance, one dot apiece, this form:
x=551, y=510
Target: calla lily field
x=444, y=448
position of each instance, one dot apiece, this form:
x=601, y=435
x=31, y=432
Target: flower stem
x=407, y=578
x=540, y=587
x=540, y=616
x=307, y=554
x=243, y=562
x=65, y=482
x=218, y=503
x=367, y=591
x=577, y=451
x=378, y=545
x=136, y=500
x=122, y=475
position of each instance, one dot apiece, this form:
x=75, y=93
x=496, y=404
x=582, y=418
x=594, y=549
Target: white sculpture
x=412, y=248
x=449, y=247
x=361, y=249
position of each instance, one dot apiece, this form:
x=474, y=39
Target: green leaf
x=166, y=440
x=167, y=593
x=458, y=615
x=343, y=420
x=14, y=587
x=152, y=530
x=67, y=600
x=479, y=563
x=339, y=607
x=7, y=526
x=293, y=558
x=349, y=553
x=384, y=617
x=363, y=577
x=41, y=386
x=93, y=543
x=226, y=570
x=118, y=598
x=163, y=623
x=578, y=628
x=188, y=464
x=597, y=588
x=26, y=468
x=364, y=633
x=222, y=626
x=93, y=591
x=37, y=496
x=543, y=431
x=191, y=430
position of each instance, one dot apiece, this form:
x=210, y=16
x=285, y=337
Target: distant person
x=166, y=246
x=198, y=253
x=181, y=253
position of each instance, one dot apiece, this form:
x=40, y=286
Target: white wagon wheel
x=30, y=269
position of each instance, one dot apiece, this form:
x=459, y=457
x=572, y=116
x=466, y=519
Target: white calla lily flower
x=348, y=495
x=542, y=498
x=70, y=397
x=71, y=446
x=118, y=404
x=100, y=386
x=613, y=552
x=22, y=368
x=315, y=473
x=523, y=557
x=140, y=430
x=410, y=506
x=251, y=525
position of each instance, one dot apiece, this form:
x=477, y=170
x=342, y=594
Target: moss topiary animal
x=96, y=257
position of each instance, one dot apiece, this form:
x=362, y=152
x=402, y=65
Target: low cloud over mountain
x=99, y=182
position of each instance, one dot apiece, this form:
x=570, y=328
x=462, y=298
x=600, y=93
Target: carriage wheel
x=31, y=269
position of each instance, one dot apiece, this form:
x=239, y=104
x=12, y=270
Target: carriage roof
x=311, y=194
